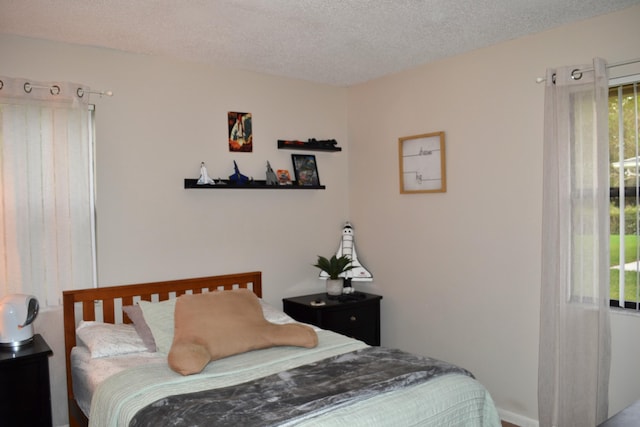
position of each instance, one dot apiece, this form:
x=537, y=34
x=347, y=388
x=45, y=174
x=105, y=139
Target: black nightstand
x=25, y=397
x=357, y=317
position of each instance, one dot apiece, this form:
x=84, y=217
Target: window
x=624, y=183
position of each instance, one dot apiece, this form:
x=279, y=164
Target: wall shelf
x=253, y=185
x=294, y=145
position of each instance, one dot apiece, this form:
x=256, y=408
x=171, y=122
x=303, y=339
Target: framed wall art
x=305, y=169
x=240, y=132
x=422, y=163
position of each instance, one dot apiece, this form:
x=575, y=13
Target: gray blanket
x=299, y=393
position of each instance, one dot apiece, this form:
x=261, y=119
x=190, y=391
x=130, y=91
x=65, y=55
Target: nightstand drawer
x=349, y=319
x=357, y=316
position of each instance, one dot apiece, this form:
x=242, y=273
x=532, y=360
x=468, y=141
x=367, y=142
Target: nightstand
x=25, y=397
x=356, y=316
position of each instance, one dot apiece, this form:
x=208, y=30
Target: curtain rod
x=55, y=89
x=612, y=65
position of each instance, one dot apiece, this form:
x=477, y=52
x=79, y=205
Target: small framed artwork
x=283, y=177
x=305, y=169
x=240, y=132
x=422, y=163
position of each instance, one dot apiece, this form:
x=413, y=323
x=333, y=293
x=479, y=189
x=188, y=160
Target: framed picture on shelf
x=305, y=169
x=283, y=177
x=422, y=163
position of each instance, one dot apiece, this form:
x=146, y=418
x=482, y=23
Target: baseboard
x=517, y=419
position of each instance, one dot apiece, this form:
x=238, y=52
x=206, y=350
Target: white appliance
x=17, y=312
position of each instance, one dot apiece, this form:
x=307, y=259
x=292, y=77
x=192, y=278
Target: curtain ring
x=80, y=92
x=55, y=90
x=553, y=78
x=1, y=84
x=576, y=74
x=27, y=87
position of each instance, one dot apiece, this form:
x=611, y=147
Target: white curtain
x=575, y=347
x=46, y=192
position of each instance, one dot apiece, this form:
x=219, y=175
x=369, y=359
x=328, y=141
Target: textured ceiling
x=338, y=42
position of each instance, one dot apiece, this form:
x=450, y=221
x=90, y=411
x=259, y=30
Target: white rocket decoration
x=204, y=176
x=348, y=248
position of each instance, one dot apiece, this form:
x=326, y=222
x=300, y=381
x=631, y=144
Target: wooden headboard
x=81, y=305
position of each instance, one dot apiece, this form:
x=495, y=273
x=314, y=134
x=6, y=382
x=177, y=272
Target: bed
x=132, y=387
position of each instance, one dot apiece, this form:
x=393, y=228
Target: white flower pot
x=334, y=287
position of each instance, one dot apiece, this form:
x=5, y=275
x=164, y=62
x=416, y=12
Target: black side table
x=355, y=316
x=25, y=397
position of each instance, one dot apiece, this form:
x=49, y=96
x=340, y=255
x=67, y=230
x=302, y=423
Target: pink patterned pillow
x=135, y=314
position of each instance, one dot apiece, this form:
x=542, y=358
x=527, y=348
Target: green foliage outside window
x=630, y=219
x=624, y=115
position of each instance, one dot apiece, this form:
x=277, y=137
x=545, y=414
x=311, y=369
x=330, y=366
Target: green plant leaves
x=334, y=266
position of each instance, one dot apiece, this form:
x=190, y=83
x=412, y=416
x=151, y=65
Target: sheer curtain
x=46, y=191
x=575, y=347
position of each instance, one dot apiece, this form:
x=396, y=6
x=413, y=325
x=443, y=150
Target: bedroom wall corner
x=460, y=271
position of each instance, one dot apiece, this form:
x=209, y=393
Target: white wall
x=164, y=119
x=460, y=271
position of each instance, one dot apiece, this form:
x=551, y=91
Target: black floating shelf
x=282, y=145
x=253, y=185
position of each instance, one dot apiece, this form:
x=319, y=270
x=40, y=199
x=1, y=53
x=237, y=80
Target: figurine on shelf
x=237, y=178
x=311, y=143
x=205, y=179
x=284, y=178
x=324, y=143
x=272, y=179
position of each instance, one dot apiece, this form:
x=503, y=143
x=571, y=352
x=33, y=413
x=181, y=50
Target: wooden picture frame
x=305, y=170
x=422, y=163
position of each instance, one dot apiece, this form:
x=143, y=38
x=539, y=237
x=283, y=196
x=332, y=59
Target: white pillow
x=106, y=339
x=273, y=315
x=159, y=318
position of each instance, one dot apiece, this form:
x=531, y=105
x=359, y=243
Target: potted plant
x=334, y=267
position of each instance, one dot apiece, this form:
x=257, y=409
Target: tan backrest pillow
x=218, y=324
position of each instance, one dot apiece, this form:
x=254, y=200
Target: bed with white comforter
x=112, y=388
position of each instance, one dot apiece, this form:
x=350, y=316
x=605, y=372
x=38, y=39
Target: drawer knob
x=353, y=318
